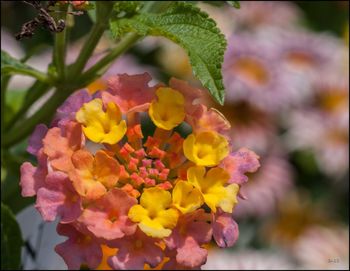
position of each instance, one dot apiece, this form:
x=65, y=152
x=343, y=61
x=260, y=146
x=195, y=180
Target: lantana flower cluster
x=130, y=198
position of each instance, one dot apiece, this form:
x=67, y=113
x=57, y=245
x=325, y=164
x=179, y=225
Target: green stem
x=59, y=53
x=23, y=129
x=4, y=83
x=34, y=93
x=122, y=46
x=36, y=74
x=89, y=47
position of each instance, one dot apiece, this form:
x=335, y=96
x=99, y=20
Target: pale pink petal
x=109, y=219
x=28, y=183
x=72, y=104
x=78, y=249
x=58, y=197
x=32, y=178
x=129, y=91
x=240, y=162
x=204, y=119
x=60, y=143
x=191, y=254
x=192, y=230
x=225, y=229
x=132, y=257
x=190, y=93
x=35, y=142
x=194, y=225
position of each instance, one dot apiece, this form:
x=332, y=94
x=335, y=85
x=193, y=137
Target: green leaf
x=235, y=4
x=10, y=65
x=11, y=240
x=126, y=8
x=192, y=29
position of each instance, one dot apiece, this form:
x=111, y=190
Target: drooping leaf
x=11, y=65
x=192, y=29
x=11, y=240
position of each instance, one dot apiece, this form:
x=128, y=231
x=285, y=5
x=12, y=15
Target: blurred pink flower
x=251, y=127
x=256, y=14
x=248, y=259
x=323, y=248
x=266, y=188
x=253, y=72
x=326, y=136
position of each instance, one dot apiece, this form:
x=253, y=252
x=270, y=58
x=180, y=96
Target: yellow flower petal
x=155, y=199
x=229, y=202
x=186, y=198
x=137, y=213
x=99, y=126
x=152, y=230
x=154, y=214
x=169, y=110
x=212, y=187
x=206, y=148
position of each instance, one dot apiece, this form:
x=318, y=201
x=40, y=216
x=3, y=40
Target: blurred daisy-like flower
x=324, y=248
x=304, y=52
x=258, y=14
x=252, y=72
x=295, y=214
x=266, y=188
x=248, y=259
x=327, y=137
x=250, y=126
x=128, y=198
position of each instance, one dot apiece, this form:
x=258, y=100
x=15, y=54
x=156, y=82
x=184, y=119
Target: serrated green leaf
x=11, y=240
x=192, y=29
x=10, y=65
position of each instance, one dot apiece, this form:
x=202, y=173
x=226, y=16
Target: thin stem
x=125, y=43
x=36, y=74
x=23, y=129
x=34, y=93
x=4, y=83
x=122, y=46
x=59, y=54
x=90, y=45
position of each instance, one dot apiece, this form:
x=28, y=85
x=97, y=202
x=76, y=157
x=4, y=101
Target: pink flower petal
x=32, y=178
x=190, y=93
x=191, y=254
x=134, y=251
x=129, y=91
x=58, y=197
x=35, y=141
x=79, y=248
x=60, y=143
x=192, y=230
x=109, y=219
x=240, y=162
x=225, y=229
